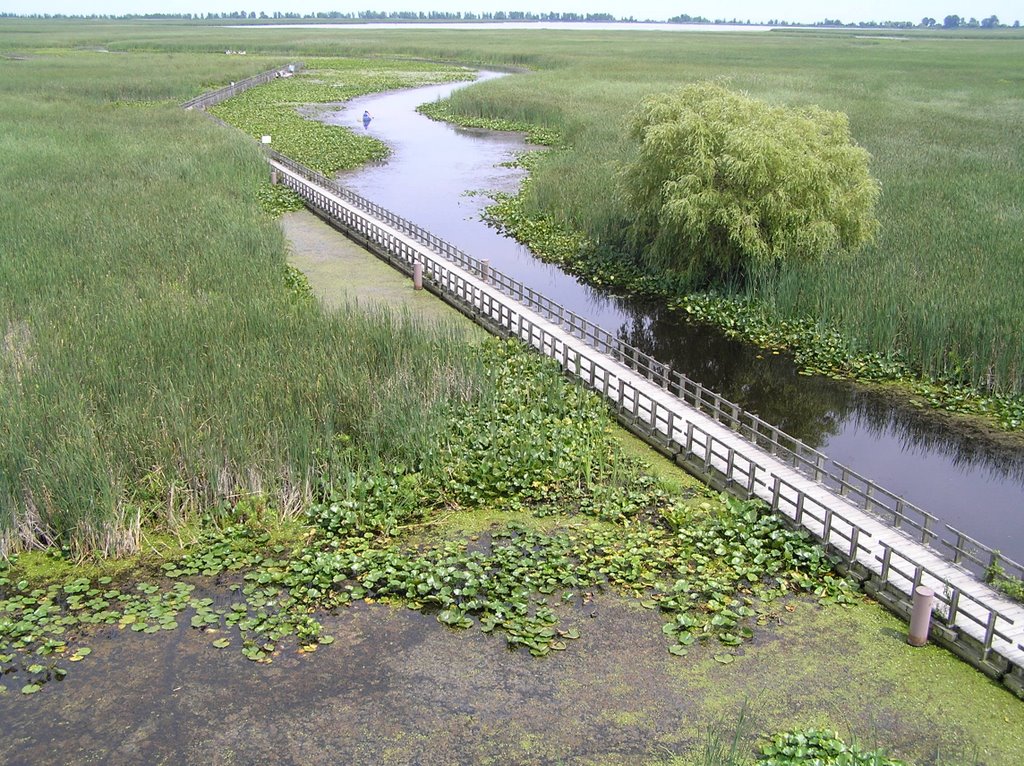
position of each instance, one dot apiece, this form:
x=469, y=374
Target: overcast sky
x=754, y=10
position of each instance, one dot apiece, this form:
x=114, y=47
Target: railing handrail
x=692, y=444
x=221, y=94
x=874, y=498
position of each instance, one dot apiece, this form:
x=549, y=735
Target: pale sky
x=755, y=10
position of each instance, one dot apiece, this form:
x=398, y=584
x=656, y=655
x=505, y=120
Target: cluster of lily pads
x=575, y=517
x=276, y=199
x=820, y=747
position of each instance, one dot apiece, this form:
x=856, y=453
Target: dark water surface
x=434, y=177
x=397, y=688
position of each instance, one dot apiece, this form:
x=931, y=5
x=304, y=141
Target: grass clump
x=442, y=110
x=1005, y=583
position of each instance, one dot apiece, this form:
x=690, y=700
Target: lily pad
x=725, y=659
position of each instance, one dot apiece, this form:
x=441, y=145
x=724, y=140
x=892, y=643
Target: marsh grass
x=940, y=113
x=153, y=358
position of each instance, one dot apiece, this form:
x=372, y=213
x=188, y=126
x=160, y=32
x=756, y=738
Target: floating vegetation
x=534, y=448
x=277, y=199
x=273, y=109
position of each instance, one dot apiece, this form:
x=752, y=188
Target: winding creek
x=435, y=176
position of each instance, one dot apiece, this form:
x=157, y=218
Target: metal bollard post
x=417, y=276
x=485, y=270
x=273, y=176
x=920, y=616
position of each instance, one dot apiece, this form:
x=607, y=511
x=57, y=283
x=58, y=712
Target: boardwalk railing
x=948, y=542
x=223, y=94
x=976, y=627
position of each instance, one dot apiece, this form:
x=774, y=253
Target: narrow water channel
x=435, y=176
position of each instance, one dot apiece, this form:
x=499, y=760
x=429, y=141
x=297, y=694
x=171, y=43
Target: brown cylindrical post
x=417, y=276
x=485, y=270
x=920, y=616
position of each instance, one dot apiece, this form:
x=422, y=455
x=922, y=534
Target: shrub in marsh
x=724, y=185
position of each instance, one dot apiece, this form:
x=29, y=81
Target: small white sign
x=266, y=139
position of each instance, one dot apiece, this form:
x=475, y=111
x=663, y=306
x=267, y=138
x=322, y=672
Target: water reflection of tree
x=768, y=386
x=811, y=408
x=924, y=432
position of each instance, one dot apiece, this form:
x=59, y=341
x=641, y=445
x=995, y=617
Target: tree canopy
x=724, y=185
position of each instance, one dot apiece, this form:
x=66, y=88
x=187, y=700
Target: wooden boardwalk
x=969, y=617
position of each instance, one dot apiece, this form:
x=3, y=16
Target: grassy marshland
x=941, y=114
x=153, y=358
x=163, y=371
x=942, y=120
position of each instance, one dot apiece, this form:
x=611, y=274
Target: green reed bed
x=153, y=357
x=940, y=113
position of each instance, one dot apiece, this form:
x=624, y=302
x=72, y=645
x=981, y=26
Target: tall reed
x=152, y=360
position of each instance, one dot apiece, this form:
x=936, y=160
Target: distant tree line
x=952, y=21
x=339, y=15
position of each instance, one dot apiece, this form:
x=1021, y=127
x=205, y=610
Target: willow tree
x=724, y=185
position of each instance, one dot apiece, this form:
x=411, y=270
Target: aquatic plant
x=819, y=747
x=274, y=109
